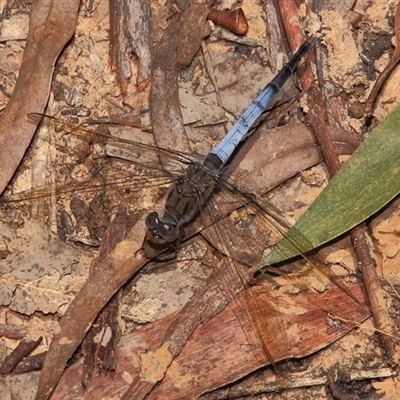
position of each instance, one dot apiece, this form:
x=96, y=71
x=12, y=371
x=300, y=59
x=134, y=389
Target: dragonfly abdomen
x=228, y=144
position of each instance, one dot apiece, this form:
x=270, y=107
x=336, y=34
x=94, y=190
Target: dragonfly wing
x=240, y=224
x=95, y=178
x=128, y=182
x=245, y=226
x=136, y=147
x=234, y=232
x=257, y=227
x=145, y=157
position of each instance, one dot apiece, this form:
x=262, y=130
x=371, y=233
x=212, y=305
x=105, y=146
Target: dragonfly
x=193, y=189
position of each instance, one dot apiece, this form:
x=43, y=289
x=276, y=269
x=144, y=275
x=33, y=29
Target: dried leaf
x=218, y=351
x=52, y=24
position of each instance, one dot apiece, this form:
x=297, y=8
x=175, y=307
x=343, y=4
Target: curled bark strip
x=52, y=23
x=12, y=331
x=130, y=33
x=394, y=60
x=102, y=353
x=376, y=295
x=235, y=21
x=181, y=41
x=30, y=363
x=317, y=118
x=25, y=347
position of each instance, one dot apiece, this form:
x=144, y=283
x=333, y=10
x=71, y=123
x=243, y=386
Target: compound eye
x=152, y=221
x=168, y=232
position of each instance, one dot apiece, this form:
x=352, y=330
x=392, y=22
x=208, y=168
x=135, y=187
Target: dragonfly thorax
x=184, y=201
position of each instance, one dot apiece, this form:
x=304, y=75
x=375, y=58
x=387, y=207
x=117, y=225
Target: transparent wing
x=99, y=181
x=245, y=226
x=148, y=172
x=134, y=146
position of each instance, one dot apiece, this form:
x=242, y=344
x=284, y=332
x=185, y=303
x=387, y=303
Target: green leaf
x=368, y=181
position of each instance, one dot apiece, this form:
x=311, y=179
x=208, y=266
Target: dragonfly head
x=162, y=233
